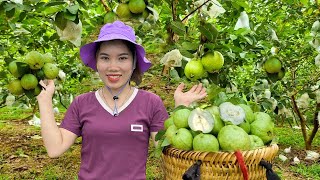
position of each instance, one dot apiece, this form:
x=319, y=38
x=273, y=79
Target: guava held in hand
x=232, y=138
x=194, y=70
x=34, y=59
x=201, y=120
x=50, y=70
x=212, y=61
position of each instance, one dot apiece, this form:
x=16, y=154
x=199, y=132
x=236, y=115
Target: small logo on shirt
x=136, y=128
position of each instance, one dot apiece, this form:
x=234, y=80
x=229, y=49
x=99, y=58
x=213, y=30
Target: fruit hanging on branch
x=273, y=65
x=194, y=70
x=137, y=6
x=212, y=61
x=28, y=73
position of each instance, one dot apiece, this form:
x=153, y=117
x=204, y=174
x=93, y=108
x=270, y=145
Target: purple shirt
x=114, y=147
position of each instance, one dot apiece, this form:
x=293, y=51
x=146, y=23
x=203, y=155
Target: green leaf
x=178, y=27
x=10, y=13
x=22, y=15
x=60, y=21
x=82, y=4
x=3, y=74
x=8, y=60
x=186, y=53
x=165, y=142
x=70, y=16
x=248, y=39
x=209, y=31
x=55, y=3
x=73, y=9
x=189, y=45
x=160, y=134
x=304, y=2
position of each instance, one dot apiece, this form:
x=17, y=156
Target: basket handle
x=242, y=165
x=271, y=175
x=193, y=173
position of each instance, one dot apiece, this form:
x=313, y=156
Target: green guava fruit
x=273, y=65
x=205, y=142
x=137, y=6
x=245, y=126
x=33, y=92
x=48, y=58
x=183, y=139
x=180, y=118
x=212, y=61
x=231, y=113
x=281, y=74
x=262, y=116
x=15, y=87
x=50, y=70
x=232, y=137
x=256, y=142
x=194, y=70
x=18, y=69
x=263, y=129
x=34, y=59
x=29, y=81
x=201, y=120
x=110, y=17
x=248, y=111
x=218, y=123
x=168, y=122
x=172, y=130
x=123, y=11
x=40, y=74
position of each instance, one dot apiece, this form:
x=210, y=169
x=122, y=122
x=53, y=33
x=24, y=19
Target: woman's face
x=114, y=64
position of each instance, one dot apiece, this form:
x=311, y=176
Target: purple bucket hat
x=112, y=31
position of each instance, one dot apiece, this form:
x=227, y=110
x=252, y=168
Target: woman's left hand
x=196, y=93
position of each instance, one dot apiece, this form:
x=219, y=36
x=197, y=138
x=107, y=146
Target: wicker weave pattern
x=217, y=165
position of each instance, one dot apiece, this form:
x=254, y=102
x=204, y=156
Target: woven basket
x=217, y=165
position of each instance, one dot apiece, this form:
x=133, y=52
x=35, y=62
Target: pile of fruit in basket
x=227, y=127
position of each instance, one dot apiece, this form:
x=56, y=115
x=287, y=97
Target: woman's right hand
x=47, y=89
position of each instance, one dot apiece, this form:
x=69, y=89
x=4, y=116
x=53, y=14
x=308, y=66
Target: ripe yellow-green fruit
x=137, y=6
x=35, y=60
x=48, y=58
x=18, y=69
x=123, y=11
x=29, y=81
x=212, y=61
x=50, y=70
x=15, y=87
x=194, y=70
x=273, y=65
x=110, y=17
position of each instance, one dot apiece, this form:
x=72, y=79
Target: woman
x=117, y=120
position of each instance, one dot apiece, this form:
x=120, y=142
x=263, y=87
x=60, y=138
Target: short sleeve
x=71, y=120
x=159, y=115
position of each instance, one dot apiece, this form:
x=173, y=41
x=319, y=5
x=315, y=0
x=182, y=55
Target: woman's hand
x=196, y=93
x=47, y=89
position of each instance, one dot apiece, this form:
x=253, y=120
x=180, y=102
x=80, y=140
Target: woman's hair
x=136, y=75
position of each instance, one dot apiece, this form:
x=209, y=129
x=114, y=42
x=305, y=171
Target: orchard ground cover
x=23, y=155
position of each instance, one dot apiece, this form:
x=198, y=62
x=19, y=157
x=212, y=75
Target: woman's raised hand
x=197, y=92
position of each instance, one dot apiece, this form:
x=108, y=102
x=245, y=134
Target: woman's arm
x=56, y=140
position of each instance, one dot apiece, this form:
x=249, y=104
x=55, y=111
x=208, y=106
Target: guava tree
x=246, y=33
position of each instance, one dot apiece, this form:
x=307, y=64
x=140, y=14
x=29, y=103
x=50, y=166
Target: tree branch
x=301, y=118
x=315, y=128
x=195, y=10
x=106, y=7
